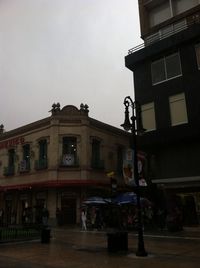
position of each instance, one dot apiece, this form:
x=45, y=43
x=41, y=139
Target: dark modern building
x=166, y=70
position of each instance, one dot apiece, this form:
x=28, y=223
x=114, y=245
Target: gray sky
x=67, y=51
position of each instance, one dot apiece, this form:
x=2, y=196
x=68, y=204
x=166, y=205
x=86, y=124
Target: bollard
x=45, y=235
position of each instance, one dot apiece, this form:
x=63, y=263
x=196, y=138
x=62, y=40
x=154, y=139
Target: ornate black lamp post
x=135, y=125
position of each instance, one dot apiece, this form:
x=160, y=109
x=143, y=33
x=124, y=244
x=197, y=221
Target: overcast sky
x=67, y=51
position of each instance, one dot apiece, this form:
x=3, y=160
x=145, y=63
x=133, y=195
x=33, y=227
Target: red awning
x=52, y=184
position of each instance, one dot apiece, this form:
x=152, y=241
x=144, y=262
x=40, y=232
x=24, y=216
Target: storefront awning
x=53, y=184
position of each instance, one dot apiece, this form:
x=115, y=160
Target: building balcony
x=68, y=161
x=9, y=171
x=24, y=166
x=41, y=164
x=146, y=52
x=167, y=31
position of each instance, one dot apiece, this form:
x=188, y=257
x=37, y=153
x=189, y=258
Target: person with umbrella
x=84, y=219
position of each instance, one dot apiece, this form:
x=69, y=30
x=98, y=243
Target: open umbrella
x=125, y=198
x=130, y=198
x=96, y=200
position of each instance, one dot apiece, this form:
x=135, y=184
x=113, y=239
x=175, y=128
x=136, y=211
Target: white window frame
x=177, y=98
x=165, y=67
x=146, y=107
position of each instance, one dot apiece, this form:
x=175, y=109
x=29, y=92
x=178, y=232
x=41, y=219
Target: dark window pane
x=158, y=71
x=173, y=65
x=69, y=151
x=96, y=151
x=42, y=149
x=26, y=152
x=69, y=145
x=11, y=157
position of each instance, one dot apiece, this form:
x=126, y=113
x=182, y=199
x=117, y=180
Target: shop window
x=148, y=116
x=178, y=110
x=166, y=68
x=69, y=151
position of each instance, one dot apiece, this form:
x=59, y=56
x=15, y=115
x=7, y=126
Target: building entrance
x=68, y=210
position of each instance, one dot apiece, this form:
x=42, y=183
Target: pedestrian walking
x=84, y=220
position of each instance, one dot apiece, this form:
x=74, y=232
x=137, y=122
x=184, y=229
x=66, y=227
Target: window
x=166, y=68
x=148, y=116
x=69, y=157
x=41, y=163
x=159, y=14
x=180, y=6
x=120, y=153
x=26, y=152
x=96, y=158
x=25, y=163
x=10, y=169
x=178, y=109
x=197, y=48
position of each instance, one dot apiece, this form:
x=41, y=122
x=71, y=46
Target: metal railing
x=158, y=36
x=41, y=164
x=19, y=233
x=9, y=171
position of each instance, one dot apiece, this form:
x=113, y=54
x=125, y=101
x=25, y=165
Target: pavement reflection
x=78, y=249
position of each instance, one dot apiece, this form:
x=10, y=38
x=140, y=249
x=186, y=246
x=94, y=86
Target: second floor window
x=166, y=68
x=25, y=163
x=96, y=155
x=41, y=162
x=11, y=158
x=69, y=151
x=10, y=169
x=42, y=150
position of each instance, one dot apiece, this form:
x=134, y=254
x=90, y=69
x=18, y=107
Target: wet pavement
x=78, y=249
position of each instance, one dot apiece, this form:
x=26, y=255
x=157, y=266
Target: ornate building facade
x=56, y=163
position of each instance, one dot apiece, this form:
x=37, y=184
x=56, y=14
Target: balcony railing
x=19, y=233
x=41, y=164
x=69, y=161
x=9, y=171
x=24, y=166
x=166, y=32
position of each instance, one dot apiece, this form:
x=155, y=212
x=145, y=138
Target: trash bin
x=117, y=241
x=45, y=235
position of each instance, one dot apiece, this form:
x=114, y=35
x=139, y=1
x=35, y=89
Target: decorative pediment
x=69, y=110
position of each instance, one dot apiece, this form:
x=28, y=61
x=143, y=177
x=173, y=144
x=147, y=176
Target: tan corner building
x=56, y=163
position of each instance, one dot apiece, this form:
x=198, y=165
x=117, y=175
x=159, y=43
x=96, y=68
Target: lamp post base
x=141, y=253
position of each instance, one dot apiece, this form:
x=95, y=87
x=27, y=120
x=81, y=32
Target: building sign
x=11, y=142
x=128, y=168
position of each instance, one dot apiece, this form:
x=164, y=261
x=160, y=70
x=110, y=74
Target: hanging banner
x=128, y=168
